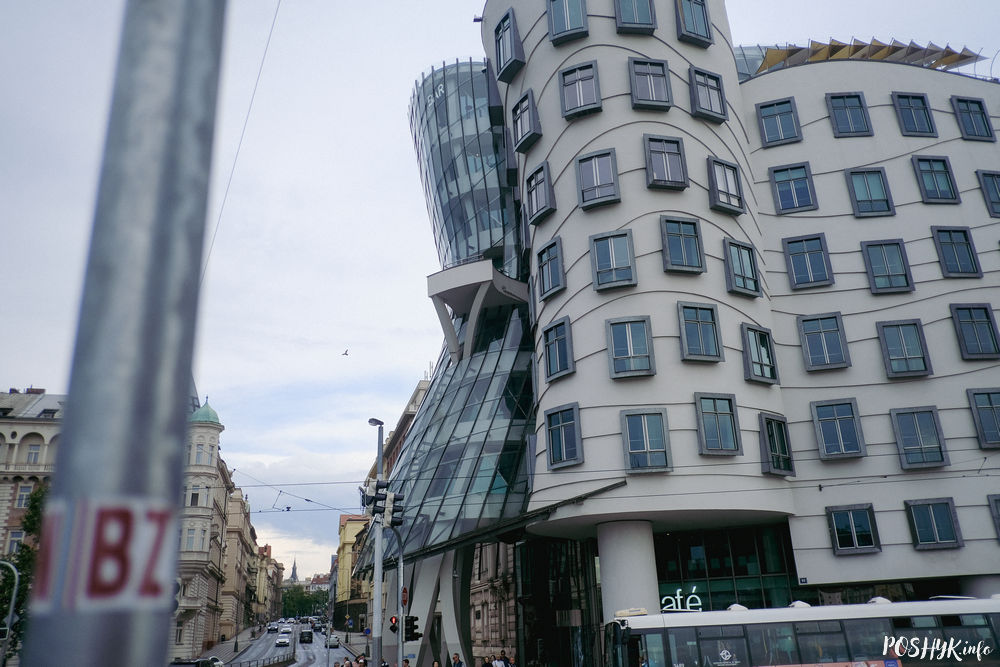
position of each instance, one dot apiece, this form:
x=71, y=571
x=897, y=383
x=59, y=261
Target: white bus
x=940, y=632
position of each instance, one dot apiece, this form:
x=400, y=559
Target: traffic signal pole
x=379, y=555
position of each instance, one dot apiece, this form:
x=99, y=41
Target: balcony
x=29, y=467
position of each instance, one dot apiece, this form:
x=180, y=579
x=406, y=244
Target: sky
x=322, y=243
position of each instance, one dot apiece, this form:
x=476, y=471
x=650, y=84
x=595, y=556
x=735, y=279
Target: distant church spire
x=295, y=576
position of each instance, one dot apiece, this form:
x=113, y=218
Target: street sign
x=368, y=631
x=350, y=623
x=406, y=597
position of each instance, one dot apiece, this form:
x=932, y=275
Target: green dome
x=205, y=414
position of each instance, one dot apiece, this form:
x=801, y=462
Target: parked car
x=196, y=662
x=283, y=640
x=333, y=641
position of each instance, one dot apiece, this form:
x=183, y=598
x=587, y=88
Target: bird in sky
x=345, y=353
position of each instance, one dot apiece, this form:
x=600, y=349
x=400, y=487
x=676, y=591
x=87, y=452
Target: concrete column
x=628, y=567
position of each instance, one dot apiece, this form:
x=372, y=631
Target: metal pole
x=399, y=596
x=379, y=555
x=9, y=620
x=109, y=533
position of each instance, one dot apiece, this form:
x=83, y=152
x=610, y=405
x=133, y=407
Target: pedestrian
x=504, y=658
x=456, y=661
x=487, y=662
x=437, y=663
x=406, y=662
x=497, y=662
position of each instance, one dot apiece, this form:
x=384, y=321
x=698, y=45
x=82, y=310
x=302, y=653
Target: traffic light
x=393, y=623
x=394, y=509
x=410, y=634
x=373, y=496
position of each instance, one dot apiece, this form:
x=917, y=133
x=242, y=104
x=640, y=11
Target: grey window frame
x=986, y=178
x=556, y=287
x=570, y=361
x=855, y=419
x=702, y=112
x=993, y=500
x=651, y=181
x=582, y=109
x=685, y=34
x=631, y=27
x=810, y=367
x=623, y=418
x=570, y=33
x=549, y=205
x=897, y=99
x=977, y=271
x=981, y=435
x=869, y=510
x=880, y=327
x=870, y=270
x=627, y=233
x=509, y=68
x=669, y=263
x=768, y=143
x=686, y=354
x=772, y=178
x=633, y=77
x=533, y=130
x=968, y=354
x=894, y=415
x=608, y=324
x=577, y=437
x=714, y=201
x=858, y=213
x=931, y=546
x=925, y=195
x=727, y=246
x=611, y=198
x=868, y=131
x=700, y=417
x=955, y=101
x=749, y=375
x=767, y=466
x=793, y=282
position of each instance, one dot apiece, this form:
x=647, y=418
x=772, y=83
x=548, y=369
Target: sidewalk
x=224, y=650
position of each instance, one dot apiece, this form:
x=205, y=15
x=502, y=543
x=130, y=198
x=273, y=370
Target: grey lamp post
x=377, y=592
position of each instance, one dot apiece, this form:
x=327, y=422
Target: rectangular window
x=838, y=428
x=699, y=330
x=904, y=349
x=849, y=114
x=792, y=188
x=778, y=122
x=14, y=541
x=665, y=164
x=646, y=439
x=34, y=454
x=597, y=179
x=189, y=540
x=989, y=181
x=630, y=347
x=708, y=100
x=973, y=119
x=937, y=185
x=693, y=24
x=994, y=502
x=725, y=189
x=581, y=92
x=539, y=200
x=869, y=192
x=558, y=349
x=23, y=493
x=635, y=16
x=918, y=437
x=758, y=354
x=179, y=633
x=985, y=405
x=887, y=266
x=199, y=456
x=195, y=494
x=550, y=269
x=650, y=84
x=567, y=20
x=852, y=528
x=933, y=523
x=612, y=260
x=741, y=269
x=718, y=424
x=956, y=253
x=561, y=427
x=914, y=115
x=524, y=123
x=808, y=261
x=824, y=345
x=509, y=51
x=775, y=453
x=682, y=247
x=976, y=330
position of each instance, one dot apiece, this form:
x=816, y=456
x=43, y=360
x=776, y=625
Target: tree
x=24, y=560
x=295, y=601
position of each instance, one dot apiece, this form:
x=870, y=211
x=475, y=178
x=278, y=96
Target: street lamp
x=376, y=523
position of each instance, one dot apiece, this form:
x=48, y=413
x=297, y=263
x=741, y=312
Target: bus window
x=866, y=637
x=650, y=648
x=724, y=652
x=821, y=642
x=772, y=644
x=683, y=647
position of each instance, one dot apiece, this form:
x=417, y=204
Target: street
x=306, y=655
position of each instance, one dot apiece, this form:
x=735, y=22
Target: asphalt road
x=306, y=655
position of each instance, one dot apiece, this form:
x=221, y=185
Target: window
x=904, y=349
x=561, y=427
x=725, y=191
x=918, y=437
x=758, y=354
x=650, y=84
x=852, y=529
x=612, y=260
x=179, y=633
x=869, y=191
x=775, y=454
x=973, y=119
x=539, y=200
x=741, y=269
x=597, y=179
x=23, y=493
x=693, y=24
x=808, y=261
x=718, y=424
x=994, y=502
x=682, y=247
x=567, y=20
x=708, y=100
x=792, y=188
x=956, y=253
x=581, y=93
x=34, y=454
x=937, y=185
x=778, y=122
x=849, y=114
x=985, y=405
x=199, y=456
x=976, y=330
x=14, y=540
x=933, y=523
x=699, y=332
x=630, y=350
x=887, y=266
x=635, y=16
x=824, y=345
x=989, y=181
x=524, y=123
x=646, y=439
x=189, y=540
x=558, y=349
x=665, y=164
x=195, y=496
x=838, y=428
x=509, y=51
x=550, y=269
x=914, y=115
